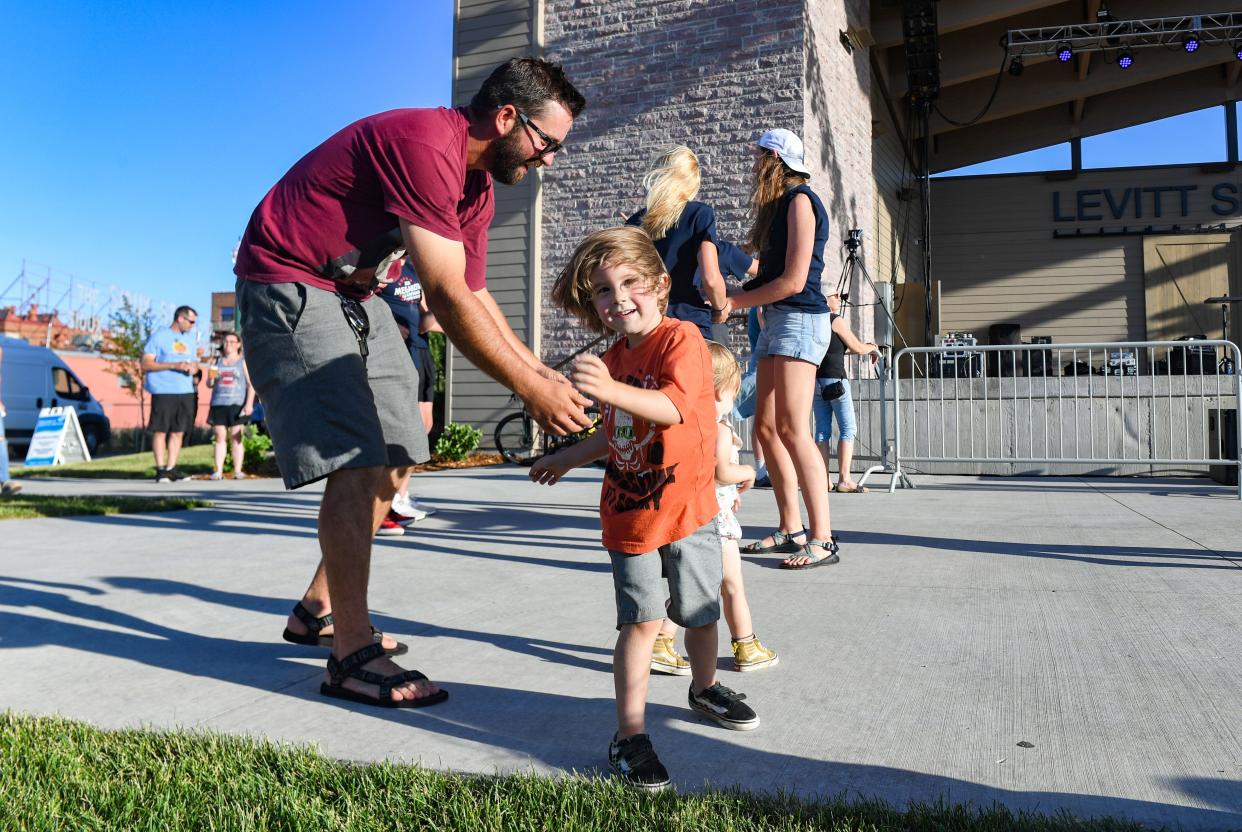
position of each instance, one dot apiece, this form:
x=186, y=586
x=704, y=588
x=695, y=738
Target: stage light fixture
x=1191, y=42
x=1064, y=51
x=1237, y=49
x=1125, y=60
x=1015, y=66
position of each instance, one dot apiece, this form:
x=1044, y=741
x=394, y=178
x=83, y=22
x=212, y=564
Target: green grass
x=193, y=460
x=46, y=505
x=56, y=774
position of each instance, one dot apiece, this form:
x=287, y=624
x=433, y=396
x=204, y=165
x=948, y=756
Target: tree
x=129, y=330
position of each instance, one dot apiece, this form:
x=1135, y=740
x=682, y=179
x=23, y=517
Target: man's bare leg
x=159, y=448
x=317, y=599
x=174, y=448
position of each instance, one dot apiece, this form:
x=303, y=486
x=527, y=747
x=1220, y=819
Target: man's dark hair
x=184, y=310
x=528, y=84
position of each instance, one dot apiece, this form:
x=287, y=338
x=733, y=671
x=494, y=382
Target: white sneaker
x=216, y=475
x=419, y=508
x=404, y=513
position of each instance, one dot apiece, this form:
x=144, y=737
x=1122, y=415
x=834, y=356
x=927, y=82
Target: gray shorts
x=324, y=408
x=694, y=569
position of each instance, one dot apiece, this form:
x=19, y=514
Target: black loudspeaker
x=1040, y=361
x=1192, y=359
x=1006, y=364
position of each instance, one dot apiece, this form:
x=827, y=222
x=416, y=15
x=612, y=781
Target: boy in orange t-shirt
x=658, y=503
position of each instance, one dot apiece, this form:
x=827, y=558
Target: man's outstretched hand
x=558, y=407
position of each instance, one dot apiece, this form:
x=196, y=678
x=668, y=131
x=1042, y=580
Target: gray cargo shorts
x=324, y=408
x=694, y=567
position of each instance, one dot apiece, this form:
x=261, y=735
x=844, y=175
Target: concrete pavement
x=1099, y=620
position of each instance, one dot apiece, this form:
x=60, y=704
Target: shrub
x=457, y=442
x=255, y=446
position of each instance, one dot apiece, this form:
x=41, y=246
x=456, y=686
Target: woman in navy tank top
x=790, y=230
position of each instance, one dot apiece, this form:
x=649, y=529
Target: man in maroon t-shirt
x=327, y=359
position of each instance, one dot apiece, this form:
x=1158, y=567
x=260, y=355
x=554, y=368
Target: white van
x=32, y=378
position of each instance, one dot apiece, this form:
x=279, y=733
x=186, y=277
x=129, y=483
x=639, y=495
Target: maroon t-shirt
x=332, y=219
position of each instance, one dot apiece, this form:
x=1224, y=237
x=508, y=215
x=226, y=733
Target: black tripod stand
x=1226, y=363
x=854, y=266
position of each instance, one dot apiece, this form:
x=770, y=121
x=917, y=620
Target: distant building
x=46, y=329
x=223, y=312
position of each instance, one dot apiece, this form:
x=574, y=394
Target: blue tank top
x=772, y=261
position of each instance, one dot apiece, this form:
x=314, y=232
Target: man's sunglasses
x=550, y=145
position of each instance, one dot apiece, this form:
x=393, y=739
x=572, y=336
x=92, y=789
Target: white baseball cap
x=788, y=146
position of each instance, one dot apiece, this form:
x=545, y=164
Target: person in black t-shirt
x=833, y=400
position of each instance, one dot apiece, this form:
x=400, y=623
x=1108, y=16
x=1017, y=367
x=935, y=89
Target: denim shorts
x=694, y=568
x=841, y=407
x=800, y=335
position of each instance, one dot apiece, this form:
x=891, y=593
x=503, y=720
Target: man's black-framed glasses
x=550, y=145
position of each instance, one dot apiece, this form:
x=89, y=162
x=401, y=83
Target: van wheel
x=91, y=435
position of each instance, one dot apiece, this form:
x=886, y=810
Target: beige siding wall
x=487, y=33
x=996, y=257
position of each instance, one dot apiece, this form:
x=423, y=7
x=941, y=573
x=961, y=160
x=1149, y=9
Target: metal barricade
x=1062, y=406
x=868, y=393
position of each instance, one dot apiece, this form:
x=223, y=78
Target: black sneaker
x=635, y=762
x=161, y=475
x=722, y=705
x=176, y=475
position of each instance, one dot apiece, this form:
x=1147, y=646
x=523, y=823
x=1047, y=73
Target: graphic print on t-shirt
x=635, y=478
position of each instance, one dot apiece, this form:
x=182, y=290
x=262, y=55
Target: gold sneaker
x=664, y=658
x=752, y=655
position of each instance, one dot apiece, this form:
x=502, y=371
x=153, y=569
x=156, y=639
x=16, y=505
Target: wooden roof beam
x=1048, y=126
x=951, y=16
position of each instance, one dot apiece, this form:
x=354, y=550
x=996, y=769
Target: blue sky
x=139, y=136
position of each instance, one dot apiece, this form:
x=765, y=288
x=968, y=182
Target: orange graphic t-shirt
x=660, y=484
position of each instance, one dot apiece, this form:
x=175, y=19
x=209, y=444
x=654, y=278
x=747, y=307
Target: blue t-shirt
x=169, y=347
x=679, y=248
x=772, y=260
x=404, y=296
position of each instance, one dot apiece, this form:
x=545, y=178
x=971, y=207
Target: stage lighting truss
x=1188, y=34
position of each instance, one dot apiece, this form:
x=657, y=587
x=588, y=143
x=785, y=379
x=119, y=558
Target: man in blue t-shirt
x=168, y=365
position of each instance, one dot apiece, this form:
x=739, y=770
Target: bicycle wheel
x=517, y=439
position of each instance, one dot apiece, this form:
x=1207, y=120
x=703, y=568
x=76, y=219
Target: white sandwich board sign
x=57, y=438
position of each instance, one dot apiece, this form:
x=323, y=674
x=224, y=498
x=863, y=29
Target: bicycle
x=520, y=440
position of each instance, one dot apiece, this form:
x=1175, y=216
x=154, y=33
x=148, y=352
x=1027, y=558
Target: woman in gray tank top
x=232, y=400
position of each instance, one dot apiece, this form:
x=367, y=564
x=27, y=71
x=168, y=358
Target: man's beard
x=509, y=159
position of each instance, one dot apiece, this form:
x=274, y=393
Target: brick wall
x=837, y=113
x=707, y=73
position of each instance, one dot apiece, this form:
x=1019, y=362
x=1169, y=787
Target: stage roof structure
x=1050, y=101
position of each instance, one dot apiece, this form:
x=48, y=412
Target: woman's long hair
x=671, y=181
x=772, y=180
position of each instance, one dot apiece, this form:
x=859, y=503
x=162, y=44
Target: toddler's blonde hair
x=726, y=374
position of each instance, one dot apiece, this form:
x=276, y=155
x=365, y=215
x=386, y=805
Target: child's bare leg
x=668, y=629
x=733, y=593
x=631, y=670
x=701, y=647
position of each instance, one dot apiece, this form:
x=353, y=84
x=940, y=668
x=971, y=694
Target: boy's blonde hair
x=622, y=245
x=672, y=180
x=726, y=374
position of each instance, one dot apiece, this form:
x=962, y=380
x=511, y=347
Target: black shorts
x=171, y=413
x=426, y=367
x=226, y=415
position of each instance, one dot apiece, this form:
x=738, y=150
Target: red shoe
x=390, y=528
x=403, y=519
